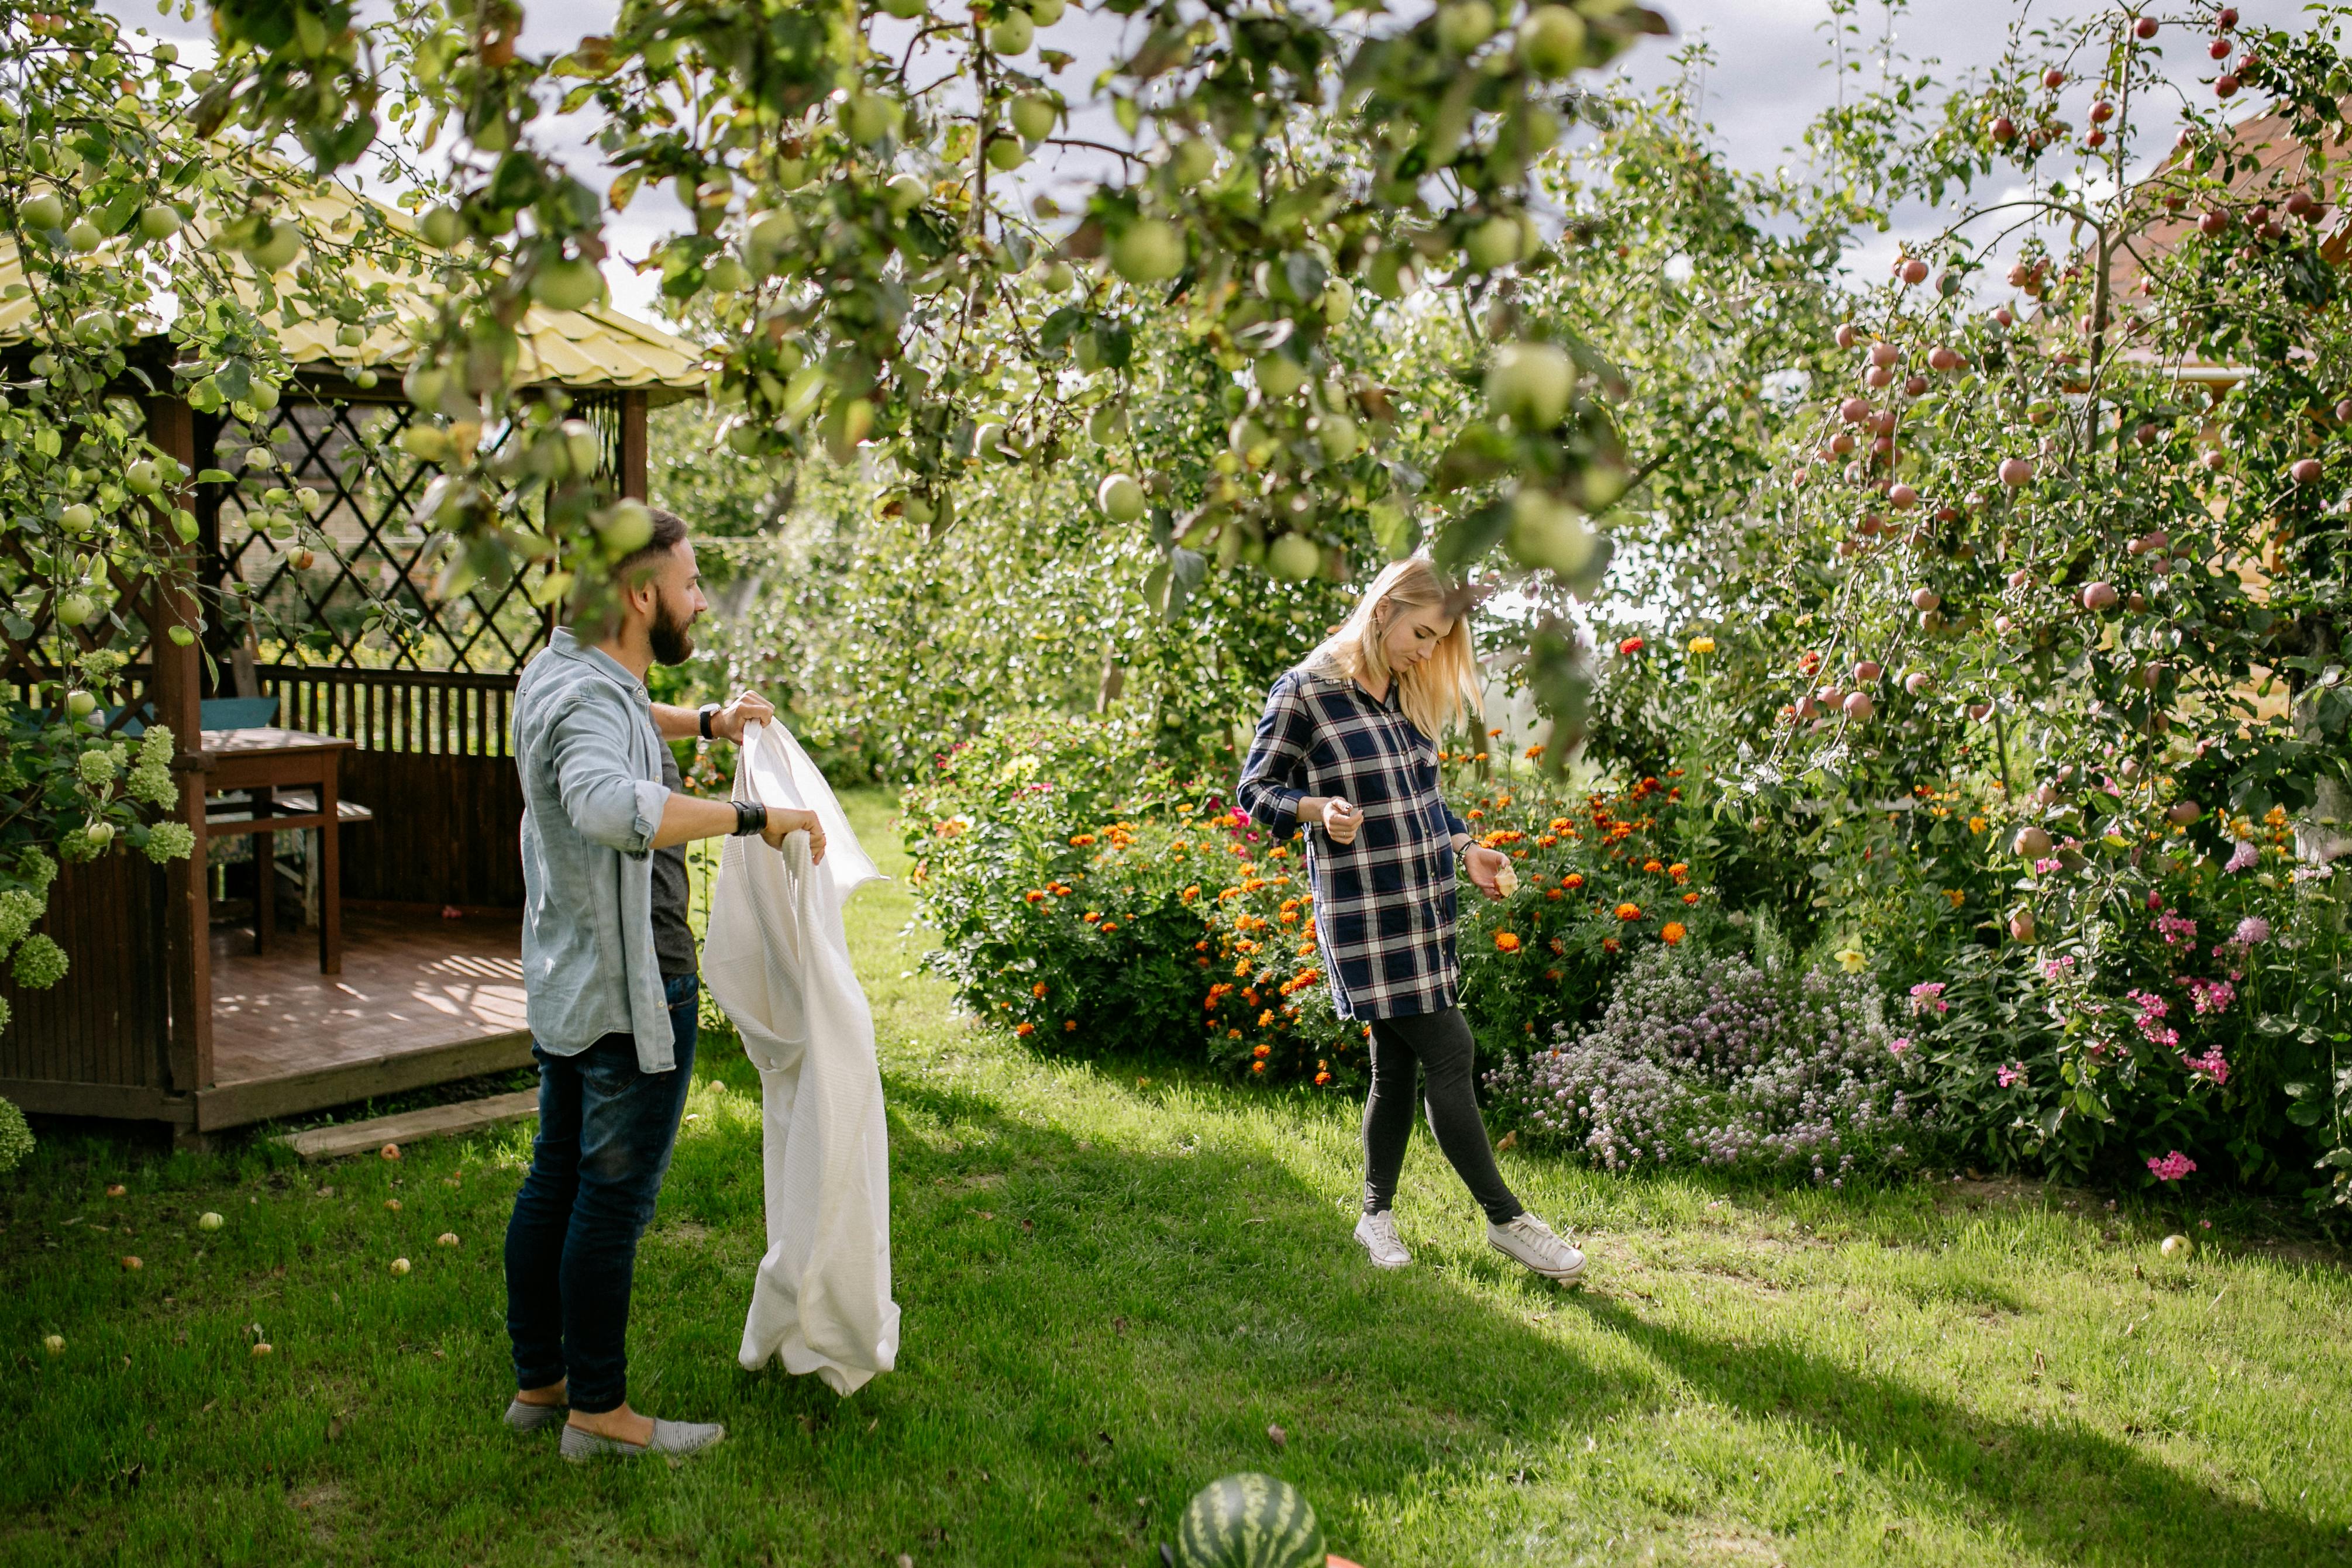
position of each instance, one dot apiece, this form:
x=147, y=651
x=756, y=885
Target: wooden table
x=265, y=760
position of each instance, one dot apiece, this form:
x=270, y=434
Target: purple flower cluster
x=1714, y=1061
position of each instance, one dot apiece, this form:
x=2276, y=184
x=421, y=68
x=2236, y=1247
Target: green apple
x=77, y=518
x=1338, y=302
x=1058, y=277
x=1464, y=25
x=627, y=525
x=725, y=275
x=42, y=213
x=209, y=1220
x=869, y=117
x=54, y=1343
x=1551, y=41
x=426, y=443
x=1046, y=13
x=400, y=1265
x=1493, y=244
x=1390, y=274
x=440, y=228
x=1294, y=558
x=144, y=477
x=905, y=10
x=364, y=379
x=1546, y=532
x=351, y=334
x=1529, y=384
x=1087, y=350
x=1034, y=116
x=75, y=608
x=1150, y=250
x=263, y=396
x=1107, y=425
x=1193, y=160
x=905, y=193
x=1013, y=34
x=99, y=832
x=84, y=235
x=98, y=327
x=1279, y=375
x=273, y=246
x=159, y=221
x=1005, y=153
x=988, y=441
x=79, y=704
x=1339, y=438
x=1121, y=498
x=568, y=283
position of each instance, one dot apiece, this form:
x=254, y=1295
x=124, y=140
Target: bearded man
x=609, y=968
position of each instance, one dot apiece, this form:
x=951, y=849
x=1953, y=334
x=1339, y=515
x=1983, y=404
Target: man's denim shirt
x=591, y=798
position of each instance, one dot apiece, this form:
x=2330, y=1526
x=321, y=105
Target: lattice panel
x=368, y=486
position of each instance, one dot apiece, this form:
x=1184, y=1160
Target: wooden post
x=177, y=691
x=633, y=444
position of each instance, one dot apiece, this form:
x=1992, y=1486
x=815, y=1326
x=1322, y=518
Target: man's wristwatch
x=751, y=817
x=708, y=711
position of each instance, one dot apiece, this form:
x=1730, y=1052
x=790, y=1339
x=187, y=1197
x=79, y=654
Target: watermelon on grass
x=1249, y=1521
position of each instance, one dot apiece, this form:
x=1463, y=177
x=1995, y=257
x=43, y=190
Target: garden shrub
x=1714, y=1060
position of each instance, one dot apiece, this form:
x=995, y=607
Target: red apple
x=1885, y=353
x=2001, y=314
x=2102, y=111
x=1981, y=711
x=2016, y=471
x=1914, y=386
x=2225, y=86
x=1924, y=599
x=2004, y=130
x=2219, y=49
x=2099, y=596
x=1854, y=410
x=2306, y=471
x=1866, y=671
x=2096, y=140
x=2019, y=578
x=2031, y=844
x=2021, y=926
x=1902, y=497
x=1917, y=681
x=2215, y=221
x=2145, y=27
x=2054, y=79
x=1914, y=271
x=1859, y=706
x=1943, y=359
x=2185, y=812
x=2226, y=18
x=1878, y=378
x=1848, y=335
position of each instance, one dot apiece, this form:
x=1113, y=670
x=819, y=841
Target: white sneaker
x=1378, y=1233
x=1534, y=1243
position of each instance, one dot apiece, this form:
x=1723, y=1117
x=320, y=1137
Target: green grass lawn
x=1116, y=1280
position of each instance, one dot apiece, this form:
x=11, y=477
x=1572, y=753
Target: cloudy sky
x=1767, y=78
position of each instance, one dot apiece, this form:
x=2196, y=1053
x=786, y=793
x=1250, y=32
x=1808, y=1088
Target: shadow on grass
x=2062, y=1488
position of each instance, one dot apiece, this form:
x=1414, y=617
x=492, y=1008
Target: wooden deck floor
x=420, y=1000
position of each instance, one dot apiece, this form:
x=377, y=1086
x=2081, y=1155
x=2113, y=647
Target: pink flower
x=2175, y=930
x=2055, y=968
x=1928, y=996
x=2172, y=1168
x=2253, y=929
x=1899, y=1044
x=2013, y=1073
x=2210, y=1064
x=2211, y=996
x=2243, y=856
x=2044, y=867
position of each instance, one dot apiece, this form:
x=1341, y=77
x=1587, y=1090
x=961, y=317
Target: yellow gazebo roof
x=596, y=349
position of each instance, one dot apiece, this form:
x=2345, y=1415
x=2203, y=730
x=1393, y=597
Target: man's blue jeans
x=605, y=1132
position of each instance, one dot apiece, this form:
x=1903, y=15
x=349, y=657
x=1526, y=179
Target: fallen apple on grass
x=400, y=1265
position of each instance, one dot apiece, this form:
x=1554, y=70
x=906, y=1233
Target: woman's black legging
x=1440, y=1044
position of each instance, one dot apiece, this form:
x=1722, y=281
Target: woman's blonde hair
x=1433, y=693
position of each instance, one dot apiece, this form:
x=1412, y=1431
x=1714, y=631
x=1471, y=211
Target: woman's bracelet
x=751, y=817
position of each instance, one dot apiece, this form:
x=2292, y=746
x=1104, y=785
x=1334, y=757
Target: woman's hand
x=1486, y=867
x=1340, y=820
x=784, y=821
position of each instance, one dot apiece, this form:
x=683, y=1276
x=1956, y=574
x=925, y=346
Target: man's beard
x=673, y=643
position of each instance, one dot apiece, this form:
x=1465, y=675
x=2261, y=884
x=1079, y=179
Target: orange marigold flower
x=1559, y=825
x=1629, y=912
x=1262, y=1051
x=1554, y=894
x=1091, y=916
x=1690, y=898
x=1024, y=1030
x=1232, y=1034
x=1653, y=866
x=1672, y=933
x=1506, y=941
x=1038, y=990
x=1572, y=880
x=1322, y=1078
x=1080, y=841
x=1036, y=895
x=1190, y=893
x=1265, y=1019
x=1257, y=1067
x=1069, y=1026
x=1631, y=646
x=1554, y=975
x=1609, y=944
x=1108, y=926
x=1956, y=896
x=1678, y=870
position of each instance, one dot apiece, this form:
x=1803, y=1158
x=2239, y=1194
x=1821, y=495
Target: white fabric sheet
x=777, y=960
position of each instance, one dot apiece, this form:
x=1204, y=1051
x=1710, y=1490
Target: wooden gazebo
x=180, y=1008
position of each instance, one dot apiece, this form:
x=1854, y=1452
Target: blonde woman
x=1347, y=751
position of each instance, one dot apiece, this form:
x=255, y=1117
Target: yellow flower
x=1852, y=960
x=1976, y=824
x=1702, y=644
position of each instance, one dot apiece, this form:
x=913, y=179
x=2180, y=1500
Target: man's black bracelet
x=751, y=817
x=708, y=711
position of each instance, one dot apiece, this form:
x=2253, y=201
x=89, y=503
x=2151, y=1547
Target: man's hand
x=1340, y=820
x=783, y=822
x=1486, y=867
x=748, y=707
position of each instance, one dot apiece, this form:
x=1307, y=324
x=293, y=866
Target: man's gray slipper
x=525, y=1418
x=580, y=1446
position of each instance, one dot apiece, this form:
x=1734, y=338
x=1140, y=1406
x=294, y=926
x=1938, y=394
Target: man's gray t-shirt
x=673, y=937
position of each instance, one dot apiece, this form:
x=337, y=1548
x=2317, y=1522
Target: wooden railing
x=433, y=713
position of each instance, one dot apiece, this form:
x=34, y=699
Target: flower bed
x=1093, y=901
